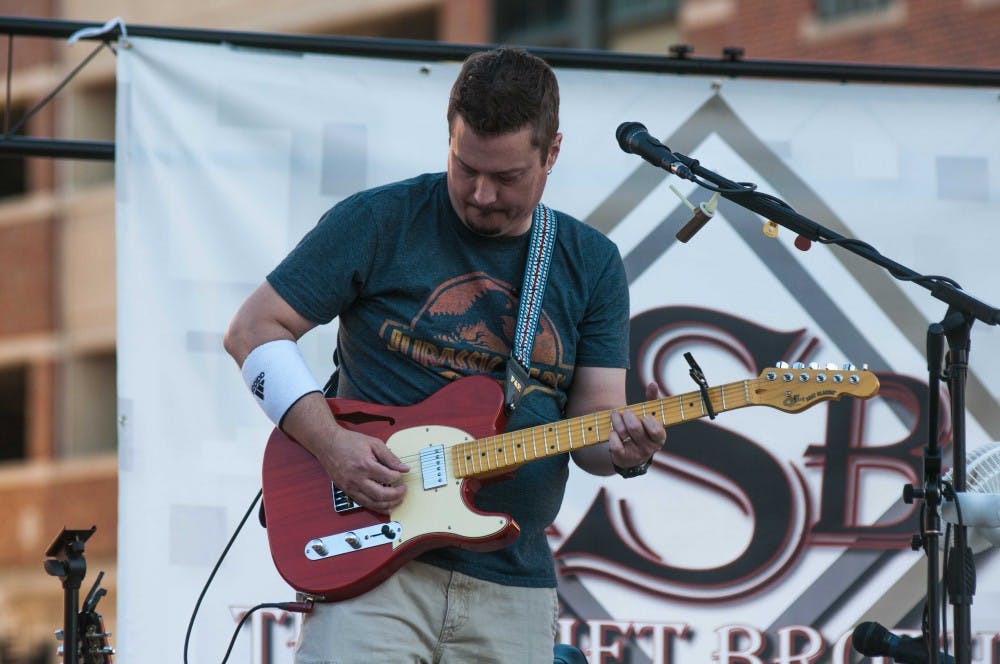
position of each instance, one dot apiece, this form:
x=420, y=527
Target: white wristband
x=278, y=377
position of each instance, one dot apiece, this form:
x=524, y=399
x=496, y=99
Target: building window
x=13, y=181
x=837, y=9
x=538, y=22
x=90, y=404
x=570, y=23
x=93, y=118
x=13, y=382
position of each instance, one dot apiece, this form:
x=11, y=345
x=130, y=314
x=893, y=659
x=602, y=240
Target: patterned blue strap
x=544, y=223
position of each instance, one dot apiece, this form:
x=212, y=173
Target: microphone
x=634, y=138
x=874, y=640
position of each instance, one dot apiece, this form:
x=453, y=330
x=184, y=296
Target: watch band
x=634, y=471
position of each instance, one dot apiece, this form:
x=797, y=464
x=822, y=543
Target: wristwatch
x=634, y=471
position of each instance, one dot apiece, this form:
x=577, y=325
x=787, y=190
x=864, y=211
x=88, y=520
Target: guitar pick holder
x=963, y=311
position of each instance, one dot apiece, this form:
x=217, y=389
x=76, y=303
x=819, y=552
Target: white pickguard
x=440, y=511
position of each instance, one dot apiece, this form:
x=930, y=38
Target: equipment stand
x=65, y=560
x=963, y=310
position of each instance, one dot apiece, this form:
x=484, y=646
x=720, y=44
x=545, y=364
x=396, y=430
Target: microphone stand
x=963, y=310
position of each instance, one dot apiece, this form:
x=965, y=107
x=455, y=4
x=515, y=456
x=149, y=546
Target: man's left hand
x=634, y=441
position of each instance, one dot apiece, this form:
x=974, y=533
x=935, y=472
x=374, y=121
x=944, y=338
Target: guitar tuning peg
x=848, y=367
x=814, y=365
x=798, y=365
x=831, y=366
x=781, y=364
x=864, y=367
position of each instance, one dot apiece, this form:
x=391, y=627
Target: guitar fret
x=501, y=450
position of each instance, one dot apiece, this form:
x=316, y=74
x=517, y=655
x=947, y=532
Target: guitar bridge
x=432, y=467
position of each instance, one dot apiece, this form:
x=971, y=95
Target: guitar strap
x=544, y=223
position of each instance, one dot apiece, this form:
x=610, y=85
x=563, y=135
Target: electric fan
x=980, y=502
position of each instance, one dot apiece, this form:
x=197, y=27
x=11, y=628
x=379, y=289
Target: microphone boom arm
x=776, y=210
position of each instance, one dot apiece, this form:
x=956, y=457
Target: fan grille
x=983, y=469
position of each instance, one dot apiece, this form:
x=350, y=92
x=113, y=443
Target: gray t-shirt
x=423, y=300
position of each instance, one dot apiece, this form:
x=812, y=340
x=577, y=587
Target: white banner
x=759, y=536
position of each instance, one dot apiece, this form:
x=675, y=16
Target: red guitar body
x=325, y=547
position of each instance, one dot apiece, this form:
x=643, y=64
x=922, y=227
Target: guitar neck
x=504, y=452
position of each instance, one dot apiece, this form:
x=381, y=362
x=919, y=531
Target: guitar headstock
x=797, y=387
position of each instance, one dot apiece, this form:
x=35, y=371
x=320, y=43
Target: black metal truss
x=730, y=65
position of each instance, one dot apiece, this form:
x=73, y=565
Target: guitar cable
x=297, y=607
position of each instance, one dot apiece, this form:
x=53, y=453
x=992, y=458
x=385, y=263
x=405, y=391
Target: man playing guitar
x=425, y=276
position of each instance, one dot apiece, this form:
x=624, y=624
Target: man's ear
x=553, y=151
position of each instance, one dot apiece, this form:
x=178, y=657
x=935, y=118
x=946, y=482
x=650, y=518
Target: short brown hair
x=502, y=90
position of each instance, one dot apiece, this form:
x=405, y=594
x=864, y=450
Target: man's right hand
x=361, y=465
x=365, y=468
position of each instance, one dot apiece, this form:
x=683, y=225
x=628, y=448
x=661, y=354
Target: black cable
x=298, y=607
x=948, y=491
x=187, y=636
x=944, y=595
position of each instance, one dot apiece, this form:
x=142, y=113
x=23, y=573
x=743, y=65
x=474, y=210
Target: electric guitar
x=327, y=546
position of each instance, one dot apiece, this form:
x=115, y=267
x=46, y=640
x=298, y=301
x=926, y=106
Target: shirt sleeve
x=604, y=330
x=329, y=267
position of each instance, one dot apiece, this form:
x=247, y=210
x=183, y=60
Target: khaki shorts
x=426, y=615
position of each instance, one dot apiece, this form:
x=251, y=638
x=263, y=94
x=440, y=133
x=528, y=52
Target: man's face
x=495, y=182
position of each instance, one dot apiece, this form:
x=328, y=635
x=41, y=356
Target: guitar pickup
x=353, y=540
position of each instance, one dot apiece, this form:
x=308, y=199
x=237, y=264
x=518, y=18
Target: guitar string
x=673, y=409
x=670, y=409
